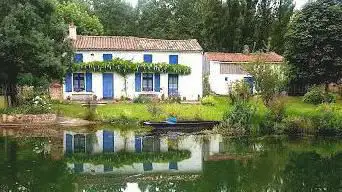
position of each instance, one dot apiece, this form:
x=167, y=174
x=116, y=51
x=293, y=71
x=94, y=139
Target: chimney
x=72, y=31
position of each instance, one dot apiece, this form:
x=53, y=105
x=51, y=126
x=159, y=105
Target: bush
x=154, y=109
x=39, y=105
x=272, y=122
x=142, y=99
x=318, y=95
x=206, y=86
x=91, y=111
x=174, y=99
x=239, y=118
x=298, y=125
x=327, y=120
x=241, y=91
x=208, y=100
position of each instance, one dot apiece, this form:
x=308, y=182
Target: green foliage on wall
x=125, y=67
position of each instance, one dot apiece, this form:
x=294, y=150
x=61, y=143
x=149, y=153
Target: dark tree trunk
x=326, y=87
x=11, y=94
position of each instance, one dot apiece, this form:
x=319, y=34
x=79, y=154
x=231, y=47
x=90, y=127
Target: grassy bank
x=140, y=112
x=294, y=107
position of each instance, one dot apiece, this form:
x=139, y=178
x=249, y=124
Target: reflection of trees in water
x=278, y=167
x=22, y=168
x=310, y=172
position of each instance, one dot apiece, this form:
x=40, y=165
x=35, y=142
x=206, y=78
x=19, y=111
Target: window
x=173, y=59
x=226, y=68
x=107, y=57
x=147, y=58
x=78, y=58
x=78, y=82
x=147, y=82
x=173, y=84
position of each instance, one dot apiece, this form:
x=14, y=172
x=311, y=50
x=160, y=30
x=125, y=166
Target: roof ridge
x=146, y=38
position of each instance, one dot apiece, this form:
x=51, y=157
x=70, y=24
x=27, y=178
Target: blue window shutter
x=68, y=82
x=89, y=82
x=138, y=144
x=107, y=57
x=137, y=82
x=68, y=143
x=157, y=82
x=78, y=58
x=173, y=59
x=147, y=58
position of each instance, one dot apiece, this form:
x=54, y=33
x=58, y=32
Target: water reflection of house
x=114, y=141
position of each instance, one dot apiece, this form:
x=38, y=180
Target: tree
x=270, y=79
x=117, y=17
x=314, y=43
x=32, y=41
x=77, y=13
x=284, y=11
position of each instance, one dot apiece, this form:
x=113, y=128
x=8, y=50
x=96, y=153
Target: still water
x=62, y=159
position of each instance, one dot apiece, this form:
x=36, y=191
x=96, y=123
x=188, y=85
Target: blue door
x=108, y=86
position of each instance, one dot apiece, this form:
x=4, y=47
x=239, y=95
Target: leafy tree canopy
x=32, y=41
x=314, y=43
x=77, y=13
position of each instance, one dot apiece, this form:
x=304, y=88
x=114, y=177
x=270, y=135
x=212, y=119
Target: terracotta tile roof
x=122, y=43
x=240, y=57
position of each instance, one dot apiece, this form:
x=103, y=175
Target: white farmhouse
x=224, y=69
x=109, y=85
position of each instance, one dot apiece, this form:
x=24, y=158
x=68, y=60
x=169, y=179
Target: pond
x=59, y=159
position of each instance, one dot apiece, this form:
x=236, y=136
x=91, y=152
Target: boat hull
x=182, y=125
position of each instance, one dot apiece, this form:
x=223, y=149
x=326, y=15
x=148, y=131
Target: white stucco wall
x=217, y=81
x=189, y=86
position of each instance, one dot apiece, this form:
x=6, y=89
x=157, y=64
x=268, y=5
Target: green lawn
x=294, y=107
x=140, y=111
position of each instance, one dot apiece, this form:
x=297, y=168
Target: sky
x=299, y=3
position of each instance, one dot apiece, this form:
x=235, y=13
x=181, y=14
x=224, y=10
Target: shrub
x=317, y=95
x=240, y=91
x=142, y=99
x=38, y=105
x=206, y=86
x=327, y=120
x=208, y=100
x=239, y=118
x=298, y=125
x=154, y=109
x=123, y=119
x=91, y=112
x=270, y=80
x=174, y=99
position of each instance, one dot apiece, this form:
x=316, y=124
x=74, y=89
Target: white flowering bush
x=39, y=105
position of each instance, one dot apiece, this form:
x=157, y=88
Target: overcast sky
x=299, y=3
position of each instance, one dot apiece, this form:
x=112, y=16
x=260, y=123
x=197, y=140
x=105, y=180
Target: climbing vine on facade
x=124, y=67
